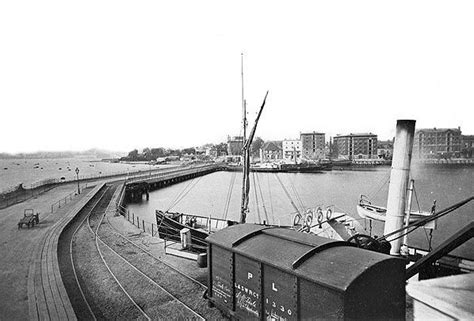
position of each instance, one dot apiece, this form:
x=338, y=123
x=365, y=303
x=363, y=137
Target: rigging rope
x=372, y=195
x=229, y=195
x=191, y=186
x=270, y=194
x=416, y=198
x=256, y=197
x=292, y=185
x=288, y=194
x=179, y=195
x=261, y=197
x=414, y=225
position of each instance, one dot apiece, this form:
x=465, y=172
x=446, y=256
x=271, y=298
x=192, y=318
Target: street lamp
x=77, y=175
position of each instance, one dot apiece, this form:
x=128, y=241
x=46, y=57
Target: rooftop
x=356, y=135
x=434, y=129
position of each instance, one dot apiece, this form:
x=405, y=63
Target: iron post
x=77, y=176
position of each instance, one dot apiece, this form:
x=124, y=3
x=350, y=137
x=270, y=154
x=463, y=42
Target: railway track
x=104, y=262
x=183, y=287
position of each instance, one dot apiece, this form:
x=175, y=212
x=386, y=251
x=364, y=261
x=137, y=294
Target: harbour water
x=209, y=196
x=29, y=171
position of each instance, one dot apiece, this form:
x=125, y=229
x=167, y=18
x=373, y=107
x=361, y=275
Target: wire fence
x=144, y=226
x=68, y=198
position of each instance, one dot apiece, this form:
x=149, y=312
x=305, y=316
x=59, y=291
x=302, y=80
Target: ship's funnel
x=399, y=177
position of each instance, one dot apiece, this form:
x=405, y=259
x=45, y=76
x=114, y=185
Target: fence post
x=133, y=218
x=138, y=222
x=143, y=225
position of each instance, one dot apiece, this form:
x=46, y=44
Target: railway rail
x=144, y=286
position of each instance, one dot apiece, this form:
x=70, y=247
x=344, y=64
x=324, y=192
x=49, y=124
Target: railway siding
x=47, y=296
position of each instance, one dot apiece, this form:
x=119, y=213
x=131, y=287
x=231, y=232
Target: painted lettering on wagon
x=221, y=290
x=246, y=299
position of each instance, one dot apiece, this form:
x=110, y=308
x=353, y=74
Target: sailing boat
x=171, y=224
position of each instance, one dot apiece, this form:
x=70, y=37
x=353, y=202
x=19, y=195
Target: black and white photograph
x=236, y=160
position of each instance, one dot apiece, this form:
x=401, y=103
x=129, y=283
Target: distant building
x=313, y=145
x=272, y=151
x=355, y=146
x=437, y=142
x=467, y=145
x=291, y=148
x=235, y=145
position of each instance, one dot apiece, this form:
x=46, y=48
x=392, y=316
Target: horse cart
x=29, y=218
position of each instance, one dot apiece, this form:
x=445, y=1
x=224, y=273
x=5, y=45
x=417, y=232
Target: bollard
x=143, y=224
x=138, y=222
x=133, y=218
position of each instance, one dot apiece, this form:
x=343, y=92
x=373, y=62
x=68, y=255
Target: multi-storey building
x=467, y=145
x=291, y=148
x=271, y=151
x=235, y=145
x=313, y=145
x=354, y=146
x=436, y=142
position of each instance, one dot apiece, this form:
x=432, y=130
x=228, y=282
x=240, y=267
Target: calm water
x=28, y=171
x=207, y=196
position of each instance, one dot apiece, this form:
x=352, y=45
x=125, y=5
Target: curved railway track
x=143, y=286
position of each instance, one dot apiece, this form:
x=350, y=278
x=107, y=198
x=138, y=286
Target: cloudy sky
x=130, y=74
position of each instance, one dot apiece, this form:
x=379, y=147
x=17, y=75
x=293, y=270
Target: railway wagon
x=261, y=272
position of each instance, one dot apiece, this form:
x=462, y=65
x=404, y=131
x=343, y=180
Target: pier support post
x=399, y=176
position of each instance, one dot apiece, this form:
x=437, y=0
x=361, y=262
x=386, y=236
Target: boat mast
x=245, y=174
x=404, y=248
x=246, y=187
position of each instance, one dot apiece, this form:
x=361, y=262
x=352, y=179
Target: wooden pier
x=139, y=186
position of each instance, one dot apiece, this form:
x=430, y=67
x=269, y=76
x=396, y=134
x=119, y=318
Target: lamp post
x=77, y=175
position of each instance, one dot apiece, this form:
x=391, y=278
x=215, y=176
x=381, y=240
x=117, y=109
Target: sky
x=121, y=75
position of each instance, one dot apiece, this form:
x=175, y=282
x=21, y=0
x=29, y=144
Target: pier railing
x=20, y=193
x=68, y=198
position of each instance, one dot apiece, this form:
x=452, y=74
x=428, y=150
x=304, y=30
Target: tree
x=221, y=149
x=147, y=154
x=189, y=151
x=133, y=154
x=256, y=145
x=158, y=152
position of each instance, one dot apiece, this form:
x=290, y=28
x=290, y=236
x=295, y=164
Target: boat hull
x=378, y=213
x=169, y=228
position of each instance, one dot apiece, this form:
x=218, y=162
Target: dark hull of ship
x=170, y=225
x=285, y=168
x=169, y=228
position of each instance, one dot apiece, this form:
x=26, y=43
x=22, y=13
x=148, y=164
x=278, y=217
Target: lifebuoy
x=328, y=213
x=308, y=220
x=297, y=220
x=320, y=216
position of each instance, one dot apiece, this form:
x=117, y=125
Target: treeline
x=152, y=154
x=216, y=150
